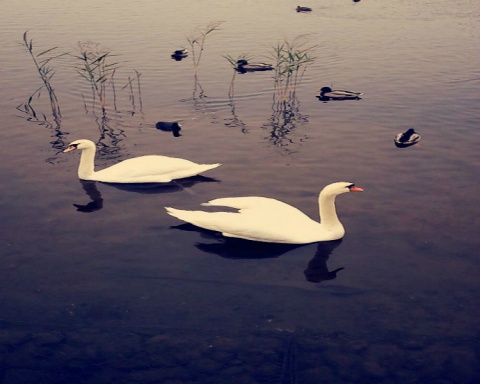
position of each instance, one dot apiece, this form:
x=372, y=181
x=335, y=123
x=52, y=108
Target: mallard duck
x=270, y=220
x=244, y=66
x=327, y=93
x=143, y=169
x=180, y=54
x=303, y=9
x=407, y=138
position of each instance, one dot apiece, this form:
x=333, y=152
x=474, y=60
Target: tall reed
x=96, y=69
x=234, y=64
x=41, y=61
x=132, y=94
x=291, y=61
x=197, y=41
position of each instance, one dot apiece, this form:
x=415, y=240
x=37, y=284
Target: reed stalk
x=292, y=59
x=132, y=93
x=234, y=64
x=197, y=41
x=96, y=69
x=41, y=61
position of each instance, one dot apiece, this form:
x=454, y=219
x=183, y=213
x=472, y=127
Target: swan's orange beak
x=356, y=189
x=70, y=148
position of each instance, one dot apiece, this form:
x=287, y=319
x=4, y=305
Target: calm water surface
x=122, y=295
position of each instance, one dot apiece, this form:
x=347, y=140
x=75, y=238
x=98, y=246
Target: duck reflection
x=96, y=200
x=232, y=248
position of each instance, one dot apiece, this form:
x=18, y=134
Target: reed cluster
x=41, y=61
x=96, y=68
x=291, y=61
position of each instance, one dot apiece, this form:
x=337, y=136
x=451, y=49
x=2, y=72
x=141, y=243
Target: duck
x=180, y=54
x=303, y=9
x=143, y=169
x=168, y=126
x=269, y=220
x=406, y=139
x=244, y=66
x=327, y=93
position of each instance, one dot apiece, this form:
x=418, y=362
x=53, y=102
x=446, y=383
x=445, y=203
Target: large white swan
x=143, y=169
x=270, y=220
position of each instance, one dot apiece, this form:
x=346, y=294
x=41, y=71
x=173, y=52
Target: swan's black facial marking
x=71, y=147
x=353, y=188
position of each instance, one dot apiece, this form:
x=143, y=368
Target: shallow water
x=120, y=294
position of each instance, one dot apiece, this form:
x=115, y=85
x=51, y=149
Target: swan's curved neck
x=328, y=213
x=86, y=167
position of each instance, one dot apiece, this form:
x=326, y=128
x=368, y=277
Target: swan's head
x=79, y=144
x=339, y=188
x=242, y=62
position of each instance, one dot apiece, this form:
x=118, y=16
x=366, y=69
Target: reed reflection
x=230, y=248
x=235, y=121
x=284, y=121
x=96, y=65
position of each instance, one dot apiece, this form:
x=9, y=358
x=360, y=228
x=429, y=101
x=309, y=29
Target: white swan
x=143, y=169
x=270, y=220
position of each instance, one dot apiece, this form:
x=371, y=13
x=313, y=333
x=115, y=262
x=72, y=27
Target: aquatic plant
x=197, y=40
x=96, y=69
x=234, y=64
x=291, y=61
x=130, y=87
x=41, y=61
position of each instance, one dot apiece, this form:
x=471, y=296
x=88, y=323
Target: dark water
x=99, y=285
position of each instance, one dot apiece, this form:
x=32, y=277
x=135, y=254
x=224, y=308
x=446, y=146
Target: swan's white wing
x=151, y=169
x=272, y=221
x=264, y=211
x=255, y=204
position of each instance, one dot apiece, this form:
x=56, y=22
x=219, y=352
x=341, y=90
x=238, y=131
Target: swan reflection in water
x=234, y=248
x=96, y=200
x=317, y=270
x=96, y=203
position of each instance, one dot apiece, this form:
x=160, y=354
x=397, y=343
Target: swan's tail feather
x=206, y=167
x=178, y=213
x=193, y=217
x=209, y=220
